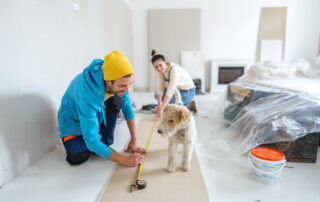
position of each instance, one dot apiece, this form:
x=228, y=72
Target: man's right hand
x=133, y=160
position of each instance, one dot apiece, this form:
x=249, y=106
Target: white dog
x=178, y=124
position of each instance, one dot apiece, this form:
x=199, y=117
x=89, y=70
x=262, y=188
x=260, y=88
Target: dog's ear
x=183, y=115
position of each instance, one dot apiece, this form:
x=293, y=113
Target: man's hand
x=132, y=160
x=132, y=147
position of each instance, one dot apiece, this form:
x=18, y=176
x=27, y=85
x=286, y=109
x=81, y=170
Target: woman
x=171, y=77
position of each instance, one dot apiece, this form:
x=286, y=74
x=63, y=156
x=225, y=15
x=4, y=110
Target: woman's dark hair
x=156, y=56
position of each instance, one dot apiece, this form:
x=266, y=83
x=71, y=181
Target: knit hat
x=116, y=66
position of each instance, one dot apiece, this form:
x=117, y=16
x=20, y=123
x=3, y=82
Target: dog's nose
x=159, y=131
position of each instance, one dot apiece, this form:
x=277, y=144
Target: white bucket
x=265, y=171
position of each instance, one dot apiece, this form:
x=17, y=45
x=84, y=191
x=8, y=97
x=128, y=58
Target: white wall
x=182, y=36
x=230, y=29
x=43, y=45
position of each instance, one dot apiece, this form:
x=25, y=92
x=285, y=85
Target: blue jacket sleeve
x=90, y=130
x=127, y=107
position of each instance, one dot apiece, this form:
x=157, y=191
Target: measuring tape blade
x=141, y=184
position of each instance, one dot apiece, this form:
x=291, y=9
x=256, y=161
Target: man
x=89, y=111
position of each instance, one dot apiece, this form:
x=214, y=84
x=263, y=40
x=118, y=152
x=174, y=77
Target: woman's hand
x=159, y=112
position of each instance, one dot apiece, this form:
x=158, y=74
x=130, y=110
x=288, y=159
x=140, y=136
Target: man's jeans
x=76, y=148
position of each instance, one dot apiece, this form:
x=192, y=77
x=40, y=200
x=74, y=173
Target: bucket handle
x=264, y=172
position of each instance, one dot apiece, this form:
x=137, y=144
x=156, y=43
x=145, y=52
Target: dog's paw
x=171, y=169
x=186, y=166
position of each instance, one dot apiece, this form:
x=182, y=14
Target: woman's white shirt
x=179, y=78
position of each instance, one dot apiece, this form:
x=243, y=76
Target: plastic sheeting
x=308, y=68
x=272, y=102
x=258, y=115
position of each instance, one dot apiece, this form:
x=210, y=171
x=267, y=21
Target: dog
x=179, y=125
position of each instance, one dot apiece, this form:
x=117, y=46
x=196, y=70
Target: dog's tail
x=178, y=97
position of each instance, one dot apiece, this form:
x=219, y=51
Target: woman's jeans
x=186, y=96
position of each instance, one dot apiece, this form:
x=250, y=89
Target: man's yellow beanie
x=116, y=66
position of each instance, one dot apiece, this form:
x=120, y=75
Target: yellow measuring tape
x=141, y=184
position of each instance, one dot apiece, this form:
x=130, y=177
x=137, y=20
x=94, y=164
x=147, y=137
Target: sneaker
x=192, y=106
x=148, y=107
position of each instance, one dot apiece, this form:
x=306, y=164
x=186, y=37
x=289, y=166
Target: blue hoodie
x=82, y=108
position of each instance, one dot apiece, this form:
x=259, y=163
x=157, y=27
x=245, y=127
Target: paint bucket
x=266, y=164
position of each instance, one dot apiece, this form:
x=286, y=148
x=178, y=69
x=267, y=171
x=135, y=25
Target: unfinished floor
x=227, y=179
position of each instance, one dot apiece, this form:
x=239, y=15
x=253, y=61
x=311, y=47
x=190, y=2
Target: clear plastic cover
x=272, y=102
x=256, y=115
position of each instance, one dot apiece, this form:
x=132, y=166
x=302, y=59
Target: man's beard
x=109, y=90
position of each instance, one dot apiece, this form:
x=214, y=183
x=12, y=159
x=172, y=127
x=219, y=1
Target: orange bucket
x=268, y=153
x=267, y=164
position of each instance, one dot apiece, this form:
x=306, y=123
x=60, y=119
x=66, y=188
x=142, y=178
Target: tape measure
x=141, y=184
